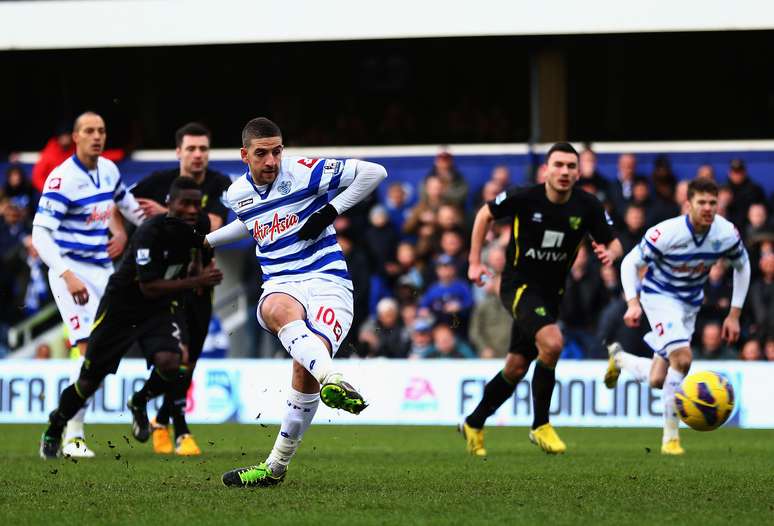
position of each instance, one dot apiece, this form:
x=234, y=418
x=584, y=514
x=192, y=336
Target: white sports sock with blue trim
x=307, y=349
x=671, y=422
x=301, y=408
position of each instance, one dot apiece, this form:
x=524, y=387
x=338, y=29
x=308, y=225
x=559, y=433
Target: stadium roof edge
x=133, y=23
x=232, y=154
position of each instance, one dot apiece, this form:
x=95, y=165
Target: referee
x=550, y=221
x=193, y=151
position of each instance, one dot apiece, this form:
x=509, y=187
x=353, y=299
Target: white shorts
x=79, y=318
x=671, y=322
x=328, y=306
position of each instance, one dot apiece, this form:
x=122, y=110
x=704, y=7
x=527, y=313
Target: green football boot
x=252, y=477
x=338, y=394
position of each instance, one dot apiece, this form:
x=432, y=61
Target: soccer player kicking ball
x=678, y=254
x=288, y=207
x=138, y=306
x=550, y=221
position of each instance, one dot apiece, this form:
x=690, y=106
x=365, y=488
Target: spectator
x=425, y=211
x=455, y=188
x=751, y=351
x=757, y=222
x=681, y=196
x=397, y=204
x=449, y=299
x=381, y=242
x=768, y=350
x=590, y=179
x=421, y=338
x=490, y=323
x=450, y=217
x=446, y=344
x=622, y=187
x=453, y=245
x=725, y=196
x=384, y=335
x=761, y=297
x=664, y=183
x=717, y=295
x=43, y=352
x=712, y=346
x=745, y=193
x=706, y=171
x=16, y=185
x=583, y=298
x=357, y=263
x=501, y=177
x=634, y=227
x=409, y=267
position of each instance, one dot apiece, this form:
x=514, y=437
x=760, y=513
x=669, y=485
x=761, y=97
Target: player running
x=550, y=221
x=678, y=254
x=70, y=232
x=287, y=206
x=139, y=306
x=193, y=149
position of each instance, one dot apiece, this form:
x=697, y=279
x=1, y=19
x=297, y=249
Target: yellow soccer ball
x=705, y=400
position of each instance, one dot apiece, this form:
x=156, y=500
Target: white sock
x=671, y=423
x=74, y=427
x=298, y=417
x=307, y=349
x=637, y=366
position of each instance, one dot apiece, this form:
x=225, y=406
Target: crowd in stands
x=407, y=255
x=424, y=307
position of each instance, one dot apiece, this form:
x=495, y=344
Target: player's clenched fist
x=633, y=314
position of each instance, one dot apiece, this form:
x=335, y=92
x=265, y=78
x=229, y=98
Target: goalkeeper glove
x=318, y=222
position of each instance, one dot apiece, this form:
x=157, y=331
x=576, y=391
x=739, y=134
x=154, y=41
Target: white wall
x=106, y=23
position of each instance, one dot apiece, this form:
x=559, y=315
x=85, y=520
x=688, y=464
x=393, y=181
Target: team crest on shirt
x=716, y=245
x=284, y=187
x=575, y=222
x=143, y=256
x=55, y=183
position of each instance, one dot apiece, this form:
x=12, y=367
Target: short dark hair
x=564, y=147
x=259, y=128
x=180, y=184
x=196, y=129
x=702, y=185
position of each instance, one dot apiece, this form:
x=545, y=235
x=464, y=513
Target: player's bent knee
x=167, y=362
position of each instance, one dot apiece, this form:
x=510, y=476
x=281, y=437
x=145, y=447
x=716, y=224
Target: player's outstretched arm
x=629, y=281
x=742, y=272
x=476, y=269
x=208, y=277
x=367, y=177
x=234, y=231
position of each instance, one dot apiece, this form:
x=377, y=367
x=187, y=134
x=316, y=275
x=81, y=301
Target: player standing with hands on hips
x=550, y=221
x=288, y=206
x=678, y=254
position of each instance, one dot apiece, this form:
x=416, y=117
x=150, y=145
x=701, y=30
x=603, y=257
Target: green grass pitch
x=396, y=475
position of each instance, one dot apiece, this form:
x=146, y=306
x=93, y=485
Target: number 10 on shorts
x=328, y=317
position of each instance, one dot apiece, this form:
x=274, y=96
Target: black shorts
x=195, y=321
x=532, y=308
x=115, y=330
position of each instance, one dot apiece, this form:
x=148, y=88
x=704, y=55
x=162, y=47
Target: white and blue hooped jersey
x=76, y=205
x=274, y=213
x=679, y=260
